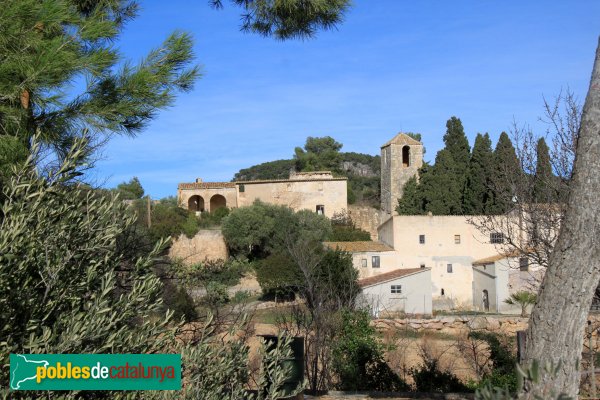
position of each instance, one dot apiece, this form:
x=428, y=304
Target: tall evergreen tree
x=543, y=188
x=477, y=196
x=441, y=190
x=411, y=202
x=457, y=145
x=507, y=175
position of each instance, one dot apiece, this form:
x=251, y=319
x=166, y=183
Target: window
x=449, y=268
x=375, y=261
x=496, y=237
x=456, y=239
x=422, y=266
x=363, y=263
x=396, y=289
x=443, y=291
x=421, y=239
x=242, y=188
x=524, y=264
x=321, y=209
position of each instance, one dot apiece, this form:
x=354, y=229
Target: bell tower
x=401, y=159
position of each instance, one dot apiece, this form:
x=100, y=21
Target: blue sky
x=391, y=66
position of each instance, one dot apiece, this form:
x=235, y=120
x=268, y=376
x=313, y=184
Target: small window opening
x=375, y=261
x=496, y=237
x=524, y=264
x=421, y=239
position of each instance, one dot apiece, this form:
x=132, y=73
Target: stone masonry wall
x=453, y=325
x=366, y=218
x=208, y=244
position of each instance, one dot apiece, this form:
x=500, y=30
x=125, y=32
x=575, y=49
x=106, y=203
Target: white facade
x=446, y=244
x=400, y=291
x=496, y=278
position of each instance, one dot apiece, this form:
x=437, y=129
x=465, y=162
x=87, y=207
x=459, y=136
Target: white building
x=400, y=291
x=447, y=244
x=496, y=278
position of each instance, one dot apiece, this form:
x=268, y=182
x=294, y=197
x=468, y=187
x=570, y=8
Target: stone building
x=317, y=191
x=401, y=159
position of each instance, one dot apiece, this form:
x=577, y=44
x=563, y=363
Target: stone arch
x=406, y=156
x=217, y=201
x=196, y=203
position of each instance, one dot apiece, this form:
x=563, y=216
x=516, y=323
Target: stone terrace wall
x=208, y=244
x=508, y=325
x=366, y=218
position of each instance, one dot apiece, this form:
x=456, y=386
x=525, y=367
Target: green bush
x=429, y=378
x=503, y=370
x=177, y=299
x=358, y=357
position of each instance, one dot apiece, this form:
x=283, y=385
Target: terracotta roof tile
x=357, y=247
x=402, y=138
x=388, y=276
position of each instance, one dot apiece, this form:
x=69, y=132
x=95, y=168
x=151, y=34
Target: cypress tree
x=457, y=145
x=507, y=175
x=411, y=202
x=542, y=185
x=477, y=194
x=441, y=186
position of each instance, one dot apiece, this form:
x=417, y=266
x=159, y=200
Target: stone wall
x=208, y=244
x=456, y=325
x=463, y=324
x=366, y=218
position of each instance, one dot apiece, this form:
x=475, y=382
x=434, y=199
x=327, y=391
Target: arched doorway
x=486, y=300
x=406, y=156
x=196, y=203
x=216, y=202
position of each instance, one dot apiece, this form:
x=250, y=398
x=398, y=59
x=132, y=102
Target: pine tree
x=543, y=188
x=441, y=186
x=48, y=46
x=507, y=175
x=477, y=196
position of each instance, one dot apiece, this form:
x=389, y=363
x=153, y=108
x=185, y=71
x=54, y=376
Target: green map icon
x=23, y=369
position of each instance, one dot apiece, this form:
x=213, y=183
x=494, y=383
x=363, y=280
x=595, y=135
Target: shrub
x=429, y=378
x=358, y=357
x=503, y=370
x=177, y=299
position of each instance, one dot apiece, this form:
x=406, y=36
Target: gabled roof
x=402, y=139
x=358, y=247
x=390, y=276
